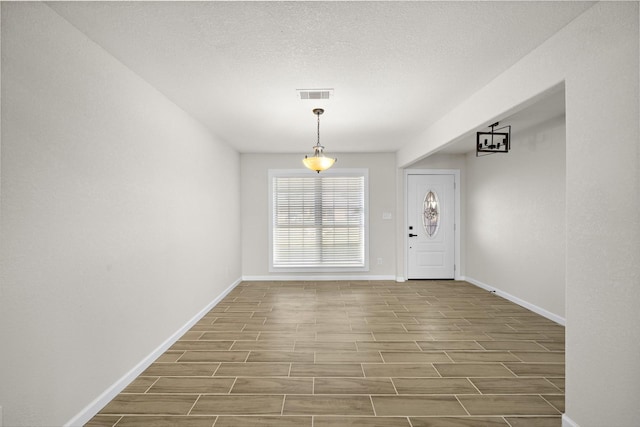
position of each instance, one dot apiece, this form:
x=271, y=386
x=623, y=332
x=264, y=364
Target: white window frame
x=305, y=173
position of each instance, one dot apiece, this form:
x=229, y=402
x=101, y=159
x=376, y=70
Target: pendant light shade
x=318, y=162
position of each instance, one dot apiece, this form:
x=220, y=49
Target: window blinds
x=318, y=221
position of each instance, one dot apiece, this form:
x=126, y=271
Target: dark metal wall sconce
x=493, y=142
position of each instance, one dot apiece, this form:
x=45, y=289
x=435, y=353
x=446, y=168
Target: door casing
x=456, y=195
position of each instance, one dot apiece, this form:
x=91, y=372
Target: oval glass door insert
x=431, y=214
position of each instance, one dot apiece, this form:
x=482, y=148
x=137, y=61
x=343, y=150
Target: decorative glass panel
x=431, y=214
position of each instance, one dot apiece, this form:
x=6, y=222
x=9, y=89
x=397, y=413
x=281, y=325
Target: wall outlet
x=379, y=262
x=387, y=215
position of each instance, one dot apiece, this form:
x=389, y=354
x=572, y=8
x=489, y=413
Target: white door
x=431, y=225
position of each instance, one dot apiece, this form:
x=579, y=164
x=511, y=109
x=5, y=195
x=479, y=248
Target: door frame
x=457, y=273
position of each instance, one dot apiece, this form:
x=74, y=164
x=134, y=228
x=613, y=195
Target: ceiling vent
x=315, y=93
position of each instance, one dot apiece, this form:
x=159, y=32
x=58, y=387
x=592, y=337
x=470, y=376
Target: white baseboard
x=539, y=310
x=568, y=422
x=94, y=407
x=318, y=278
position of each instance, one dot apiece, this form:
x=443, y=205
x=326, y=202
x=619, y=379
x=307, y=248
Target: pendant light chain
x=318, y=162
x=318, y=114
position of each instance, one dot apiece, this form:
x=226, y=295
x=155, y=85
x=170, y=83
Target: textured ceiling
x=396, y=67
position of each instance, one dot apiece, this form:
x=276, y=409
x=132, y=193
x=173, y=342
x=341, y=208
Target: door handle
x=413, y=235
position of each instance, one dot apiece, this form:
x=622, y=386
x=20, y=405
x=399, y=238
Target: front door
x=431, y=226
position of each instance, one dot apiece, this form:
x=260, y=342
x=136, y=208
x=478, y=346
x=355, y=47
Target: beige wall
x=119, y=218
x=255, y=212
x=515, y=228
x=441, y=161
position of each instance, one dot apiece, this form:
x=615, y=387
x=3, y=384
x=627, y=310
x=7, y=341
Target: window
x=318, y=221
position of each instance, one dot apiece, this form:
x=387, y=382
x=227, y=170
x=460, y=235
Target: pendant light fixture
x=493, y=142
x=318, y=162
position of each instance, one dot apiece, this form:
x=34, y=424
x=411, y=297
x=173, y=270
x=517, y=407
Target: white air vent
x=315, y=93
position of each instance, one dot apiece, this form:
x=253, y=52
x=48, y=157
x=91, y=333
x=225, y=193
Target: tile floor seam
x=450, y=358
x=552, y=405
x=235, y=380
x=463, y=407
x=394, y=386
x=433, y=365
x=194, y=404
x=519, y=359
x=216, y=370
x=154, y=383
x=507, y=368
x=473, y=384
x=559, y=389
x=284, y=399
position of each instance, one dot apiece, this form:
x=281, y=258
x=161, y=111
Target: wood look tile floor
x=354, y=354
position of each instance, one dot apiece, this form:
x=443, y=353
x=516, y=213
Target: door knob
x=413, y=235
